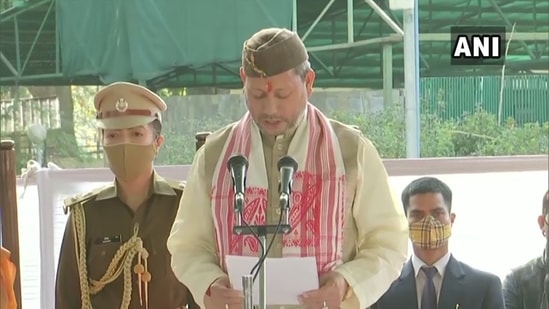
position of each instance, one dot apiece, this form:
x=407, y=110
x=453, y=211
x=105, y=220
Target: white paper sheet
x=286, y=277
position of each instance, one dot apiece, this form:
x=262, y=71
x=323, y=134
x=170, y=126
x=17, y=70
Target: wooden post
x=201, y=138
x=8, y=209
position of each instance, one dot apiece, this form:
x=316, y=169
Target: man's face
x=422, y=205
x=141, y=135
x=276, y=103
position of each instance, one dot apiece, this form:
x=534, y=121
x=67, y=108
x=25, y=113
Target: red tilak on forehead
x=269, y=86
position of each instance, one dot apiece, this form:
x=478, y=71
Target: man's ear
x=541, y=222
x=242, y=75
x=452, y=218
x=309, y=81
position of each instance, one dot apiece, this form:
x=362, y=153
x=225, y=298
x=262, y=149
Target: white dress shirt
x=440, y=265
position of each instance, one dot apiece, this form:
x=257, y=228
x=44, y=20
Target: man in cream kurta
x=366, y=226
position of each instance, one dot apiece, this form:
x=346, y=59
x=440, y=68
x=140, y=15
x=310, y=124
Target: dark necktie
x=429, y=296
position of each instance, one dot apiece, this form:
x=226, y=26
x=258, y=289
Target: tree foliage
x=472, y=134
x=475, y=134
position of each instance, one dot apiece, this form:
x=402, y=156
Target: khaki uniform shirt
x=375, y=240
x=109, y=224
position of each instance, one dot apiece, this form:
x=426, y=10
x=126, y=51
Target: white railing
x=495, y=226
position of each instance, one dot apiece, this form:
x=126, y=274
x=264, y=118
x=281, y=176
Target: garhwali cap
x=272, y=51
x=123, y=105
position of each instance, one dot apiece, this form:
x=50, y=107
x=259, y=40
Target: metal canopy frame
x=352, y=43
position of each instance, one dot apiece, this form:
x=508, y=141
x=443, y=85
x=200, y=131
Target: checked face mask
x=429, y=233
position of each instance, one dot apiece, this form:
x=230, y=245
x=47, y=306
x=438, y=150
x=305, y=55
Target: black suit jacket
x=462, y=285
x=523, y=288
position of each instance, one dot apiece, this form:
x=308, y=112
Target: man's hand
x=222, y=296
x=333, y=289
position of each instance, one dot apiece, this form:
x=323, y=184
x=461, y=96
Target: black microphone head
x=287, y=161
x=237, y=160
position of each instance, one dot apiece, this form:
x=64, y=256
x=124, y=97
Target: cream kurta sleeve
x=382, y=232
x=192, y=242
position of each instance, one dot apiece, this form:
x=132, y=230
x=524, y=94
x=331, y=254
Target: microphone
x=287, y=167
x=238, y=167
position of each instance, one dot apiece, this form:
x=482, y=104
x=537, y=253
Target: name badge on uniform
x=108, y=240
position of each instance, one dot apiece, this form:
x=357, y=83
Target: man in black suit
x=433, y=278
x=527, y=286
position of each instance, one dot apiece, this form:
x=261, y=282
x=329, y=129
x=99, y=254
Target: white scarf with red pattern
x=317, y=212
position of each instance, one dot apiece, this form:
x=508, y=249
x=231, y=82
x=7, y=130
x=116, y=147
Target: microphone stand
x=261, y=231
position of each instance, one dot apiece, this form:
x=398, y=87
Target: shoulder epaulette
x=79, y=198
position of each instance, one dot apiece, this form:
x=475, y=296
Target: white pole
x=411, y=80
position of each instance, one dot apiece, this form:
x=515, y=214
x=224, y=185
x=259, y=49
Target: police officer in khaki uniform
x=114, y=251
